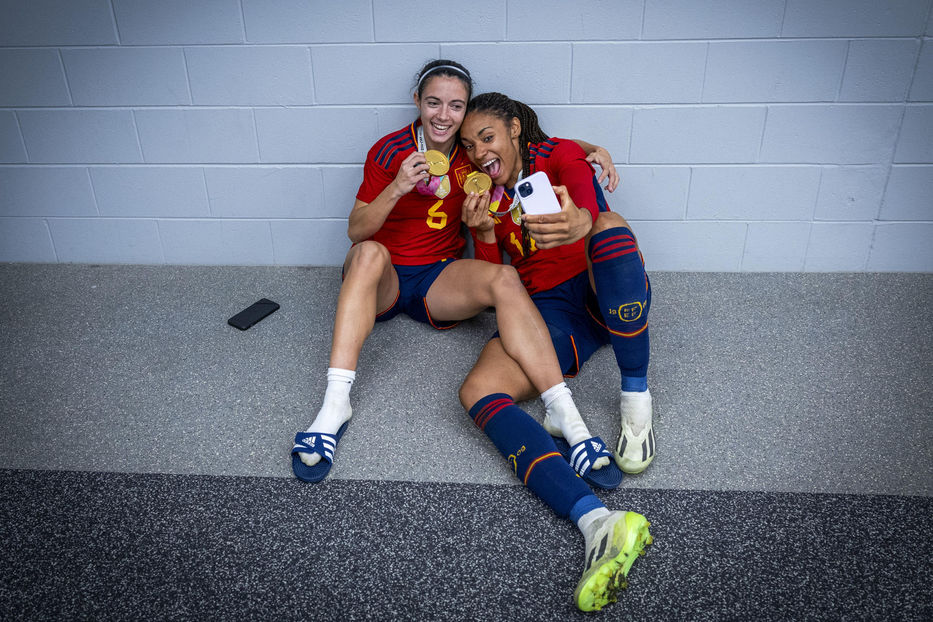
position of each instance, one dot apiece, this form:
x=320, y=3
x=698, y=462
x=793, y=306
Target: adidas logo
x=597, y=447
x=310, y=441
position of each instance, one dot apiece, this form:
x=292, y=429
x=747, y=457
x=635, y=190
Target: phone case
x=253, y=313
x=536, y=194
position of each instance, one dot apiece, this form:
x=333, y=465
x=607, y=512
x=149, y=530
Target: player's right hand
x=475, y=213
x=414, y=169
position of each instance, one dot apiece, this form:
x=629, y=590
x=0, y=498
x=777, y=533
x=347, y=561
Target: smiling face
x=442, y=105
x=493, y=146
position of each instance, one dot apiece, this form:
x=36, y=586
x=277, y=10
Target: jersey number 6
x=436, y=218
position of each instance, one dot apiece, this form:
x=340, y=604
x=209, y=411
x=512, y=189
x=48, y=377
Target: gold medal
x=444, y=189
x=437, y=162
x=477, y=182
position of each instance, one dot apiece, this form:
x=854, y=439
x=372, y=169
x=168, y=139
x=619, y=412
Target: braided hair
x=506, y=109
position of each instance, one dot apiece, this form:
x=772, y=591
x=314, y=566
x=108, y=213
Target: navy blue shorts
x=413, y=285
x=569, y=310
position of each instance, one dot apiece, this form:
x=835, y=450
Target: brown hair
x=443, y=67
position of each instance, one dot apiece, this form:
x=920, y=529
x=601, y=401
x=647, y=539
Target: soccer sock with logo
x=335, y=410
x=530, y=451
x=624, y=296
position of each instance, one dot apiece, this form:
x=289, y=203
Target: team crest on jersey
x=462, y=173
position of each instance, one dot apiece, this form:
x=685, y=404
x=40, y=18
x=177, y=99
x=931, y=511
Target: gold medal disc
x=437, y=162
x=477, y=182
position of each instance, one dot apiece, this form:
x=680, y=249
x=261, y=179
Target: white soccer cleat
x=618, y=542
x=635, y=449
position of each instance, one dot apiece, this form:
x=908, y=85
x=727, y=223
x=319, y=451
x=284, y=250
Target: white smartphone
x=536, y=194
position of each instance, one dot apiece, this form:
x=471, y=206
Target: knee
x=470, y=391
x=506, y=282
x=367, y=257
x=608, y=220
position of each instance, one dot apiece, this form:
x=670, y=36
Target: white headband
x=435, y=68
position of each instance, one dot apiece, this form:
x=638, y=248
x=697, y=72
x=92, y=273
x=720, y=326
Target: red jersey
x=565, y=164
x=420, y=229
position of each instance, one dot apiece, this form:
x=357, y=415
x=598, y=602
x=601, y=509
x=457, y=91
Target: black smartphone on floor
x=253, y=313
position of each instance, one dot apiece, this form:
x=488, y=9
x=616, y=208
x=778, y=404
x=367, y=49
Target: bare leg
x=469, y=286
x=370, y=285
x=495, y=372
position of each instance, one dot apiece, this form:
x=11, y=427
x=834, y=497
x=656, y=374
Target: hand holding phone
x=536, y=194
x=567, y=226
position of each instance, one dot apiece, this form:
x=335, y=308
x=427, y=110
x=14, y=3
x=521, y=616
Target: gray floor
x=803, y=391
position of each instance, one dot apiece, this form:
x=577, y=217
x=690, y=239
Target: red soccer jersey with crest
x=420, y=229
x=565, y=164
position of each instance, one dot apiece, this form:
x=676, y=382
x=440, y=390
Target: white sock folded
x=562, y=415
x=335, y=410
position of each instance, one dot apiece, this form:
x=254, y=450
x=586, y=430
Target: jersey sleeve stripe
x=391, y=149
x=601, y=203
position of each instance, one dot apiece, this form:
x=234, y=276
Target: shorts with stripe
x=413, y=285
x=571, y=312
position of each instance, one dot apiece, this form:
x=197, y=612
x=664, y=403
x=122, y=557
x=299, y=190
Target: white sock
x=563, y=419
x=336, y=408
x=562, y=414
x=636, y=409
x=586, y=523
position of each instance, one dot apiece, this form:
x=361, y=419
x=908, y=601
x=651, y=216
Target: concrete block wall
x=751, y=135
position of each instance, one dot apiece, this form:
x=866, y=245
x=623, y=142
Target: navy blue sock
x=584, y=506
x=531, y=452
x=624, y=296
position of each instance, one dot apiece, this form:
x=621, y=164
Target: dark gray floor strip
x=84, y=545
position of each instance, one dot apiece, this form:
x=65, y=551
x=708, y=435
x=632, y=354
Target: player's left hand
x=603, y=160
x=567, y=226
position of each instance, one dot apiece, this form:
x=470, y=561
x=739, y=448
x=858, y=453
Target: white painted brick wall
x=751, y=135
x=178, y=22
x=197, y=135
x=113, y=76
x=12, y=148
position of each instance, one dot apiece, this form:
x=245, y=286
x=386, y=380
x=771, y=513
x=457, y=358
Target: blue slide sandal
x=582, y=456
x=315, y=443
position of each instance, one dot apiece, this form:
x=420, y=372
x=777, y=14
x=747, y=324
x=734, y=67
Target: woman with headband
x=585, y=274
x=405, y=229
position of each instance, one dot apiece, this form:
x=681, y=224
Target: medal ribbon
x=497, y=195
x=427, y=187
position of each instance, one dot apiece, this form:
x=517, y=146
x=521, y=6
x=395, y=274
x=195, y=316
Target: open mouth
x=441, y=129
x=492, y=167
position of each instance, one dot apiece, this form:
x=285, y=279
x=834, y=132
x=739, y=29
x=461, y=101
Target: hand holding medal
x=475, y=215
x=436, y=183
x=477, y=183
x=437, y=163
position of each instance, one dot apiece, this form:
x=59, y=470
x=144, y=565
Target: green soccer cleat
x=618, y=542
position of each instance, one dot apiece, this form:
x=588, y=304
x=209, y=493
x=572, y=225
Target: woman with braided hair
x=586, y=276
x=405, y=258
